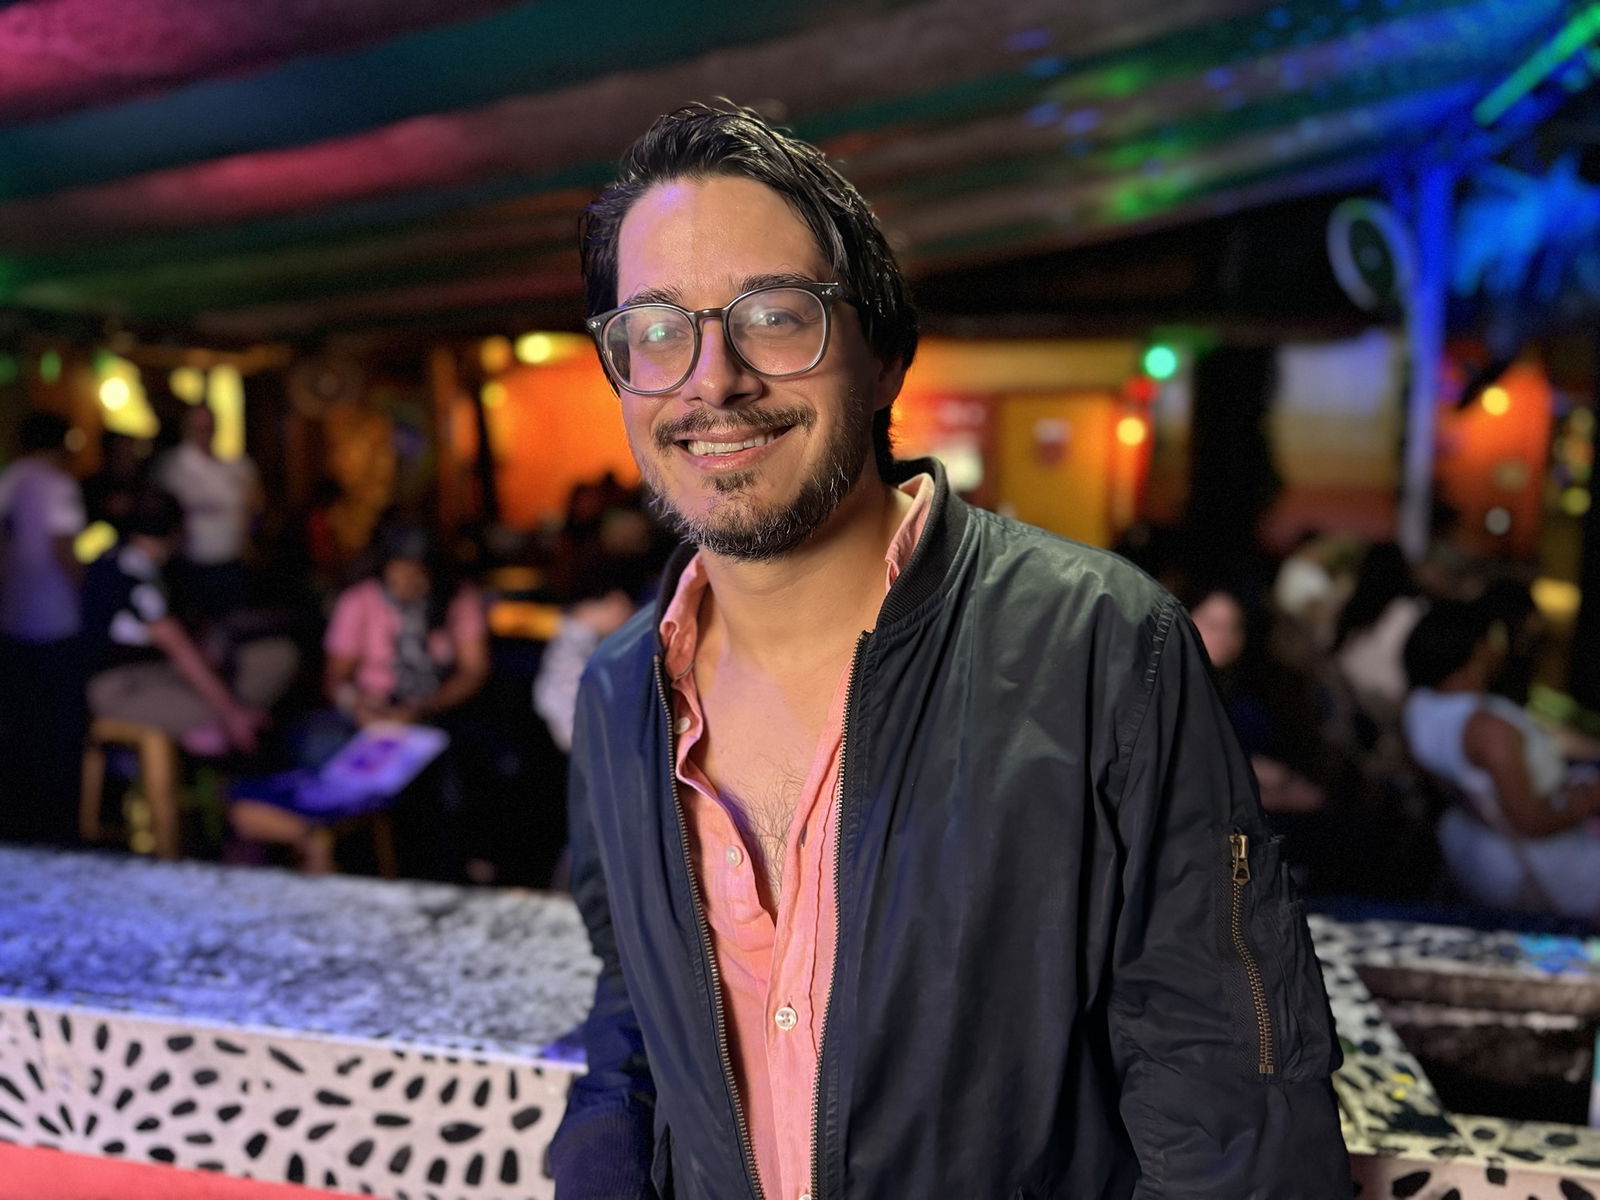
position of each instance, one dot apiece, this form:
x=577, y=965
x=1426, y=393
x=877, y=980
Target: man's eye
x=773, y=319
x=657, y=333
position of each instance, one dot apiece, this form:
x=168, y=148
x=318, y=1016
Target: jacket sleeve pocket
x=1306, y=1045
x=1218, y=1021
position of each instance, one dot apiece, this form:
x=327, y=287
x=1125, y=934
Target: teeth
x=716, y=448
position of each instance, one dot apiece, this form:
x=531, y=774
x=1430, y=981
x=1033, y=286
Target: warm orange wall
x=1009, y=397
x=557, y=425
x=1487, y=461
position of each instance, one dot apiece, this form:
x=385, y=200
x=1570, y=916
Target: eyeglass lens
x=776, y=331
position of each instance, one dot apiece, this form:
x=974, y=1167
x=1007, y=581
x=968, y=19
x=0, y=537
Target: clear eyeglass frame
x=598, y=327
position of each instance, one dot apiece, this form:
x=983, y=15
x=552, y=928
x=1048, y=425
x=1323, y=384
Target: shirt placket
x=791, y=1033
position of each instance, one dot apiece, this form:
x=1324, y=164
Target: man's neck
x=815, y=598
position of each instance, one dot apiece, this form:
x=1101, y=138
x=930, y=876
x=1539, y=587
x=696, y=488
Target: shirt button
x=734, y=855
x=785, y=1018
x=805, y=1196
x=683, y=724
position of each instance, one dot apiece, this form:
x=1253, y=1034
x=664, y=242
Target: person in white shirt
x=1370, y=635
x=1519, y=833
x=220, y=498
x=41, y=511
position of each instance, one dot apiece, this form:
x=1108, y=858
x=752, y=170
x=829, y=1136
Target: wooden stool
x=378, y=824
x=312, y=840
x=158, y=778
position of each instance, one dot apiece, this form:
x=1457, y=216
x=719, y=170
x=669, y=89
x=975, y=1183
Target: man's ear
x=891, y=378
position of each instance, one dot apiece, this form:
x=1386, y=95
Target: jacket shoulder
x=1026, y=558
x=627, y=653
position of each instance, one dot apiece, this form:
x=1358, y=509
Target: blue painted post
x=1433, y=212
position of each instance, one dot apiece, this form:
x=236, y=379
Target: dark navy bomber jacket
x=1070, y=960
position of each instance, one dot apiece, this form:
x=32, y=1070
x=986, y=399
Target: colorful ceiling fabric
x=250, y=170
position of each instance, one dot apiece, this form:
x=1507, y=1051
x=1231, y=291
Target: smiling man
x=916, y=849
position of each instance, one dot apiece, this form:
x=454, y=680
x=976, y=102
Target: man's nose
x=719, y=377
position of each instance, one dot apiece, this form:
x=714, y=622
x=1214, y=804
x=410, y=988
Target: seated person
x=146, y=668
x=1517, y=836
x=411, y=645
x=1261, y=704
x=405, y=645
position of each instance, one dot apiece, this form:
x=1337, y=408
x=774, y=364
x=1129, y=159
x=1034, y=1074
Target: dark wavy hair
x=1444, y=641
x=702, y=141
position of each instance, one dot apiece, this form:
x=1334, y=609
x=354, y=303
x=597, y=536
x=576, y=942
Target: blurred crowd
x=1384, y=706
x=146, y=597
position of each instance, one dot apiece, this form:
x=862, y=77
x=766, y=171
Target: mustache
x=753, y=420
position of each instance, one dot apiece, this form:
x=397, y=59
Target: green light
x=1160, y=362
x=1574, y=36
x=50, y=366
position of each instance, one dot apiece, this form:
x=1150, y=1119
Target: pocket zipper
x=1239, y=846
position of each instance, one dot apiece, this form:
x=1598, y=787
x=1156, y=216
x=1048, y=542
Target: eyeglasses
x=778, y=330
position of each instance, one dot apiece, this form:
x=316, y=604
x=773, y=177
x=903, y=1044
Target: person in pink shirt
x=408, y=645
x=913, y=842
x=404, y=645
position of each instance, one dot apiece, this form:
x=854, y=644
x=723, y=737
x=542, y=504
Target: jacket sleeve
x=1219, y=1023
x=603, y=1148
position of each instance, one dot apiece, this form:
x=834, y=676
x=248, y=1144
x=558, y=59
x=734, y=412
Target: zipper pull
x=1241, y=857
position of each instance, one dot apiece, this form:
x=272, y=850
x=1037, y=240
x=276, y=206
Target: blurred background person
x=1518, y=628
x=220, y=499
x=41, y=704
x=406, y=644
x=1371, y=631
x=410, y=644
x=1515, y=834
x=109, y=492
x=147, y=667
x=1270, y=715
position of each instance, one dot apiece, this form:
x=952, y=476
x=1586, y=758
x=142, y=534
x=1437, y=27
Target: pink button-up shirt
x=776, y=968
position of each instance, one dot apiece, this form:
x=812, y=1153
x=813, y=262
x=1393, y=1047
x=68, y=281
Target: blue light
x=1026, y=40
x=1085, y=120
x=1041, y=115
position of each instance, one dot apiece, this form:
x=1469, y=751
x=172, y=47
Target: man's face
x=698, y=245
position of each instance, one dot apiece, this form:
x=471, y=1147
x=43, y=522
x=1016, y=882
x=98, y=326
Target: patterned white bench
x=393, y=1039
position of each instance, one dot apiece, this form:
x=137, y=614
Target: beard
x=736, y=525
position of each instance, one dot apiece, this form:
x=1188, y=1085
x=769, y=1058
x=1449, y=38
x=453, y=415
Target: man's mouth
x=712, y=449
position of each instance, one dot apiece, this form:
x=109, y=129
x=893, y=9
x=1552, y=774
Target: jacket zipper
x=741, y=1124
x=1266, y=1063
x=838, y=924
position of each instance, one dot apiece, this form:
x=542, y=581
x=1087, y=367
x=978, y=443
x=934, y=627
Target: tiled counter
x=412, y=1040
x=391, y=1039
x=1402, y=1142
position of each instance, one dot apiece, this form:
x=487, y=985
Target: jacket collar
x=924, y=573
